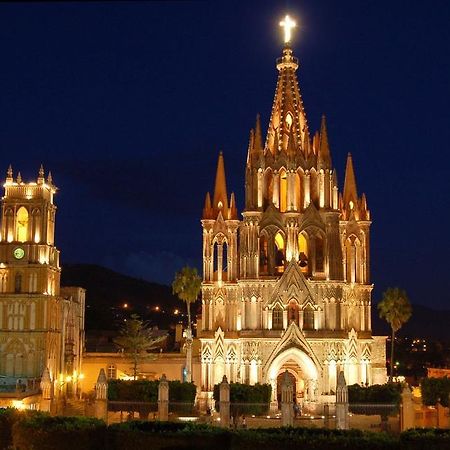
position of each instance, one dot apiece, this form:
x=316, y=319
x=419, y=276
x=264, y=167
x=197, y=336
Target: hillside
x=108, y=291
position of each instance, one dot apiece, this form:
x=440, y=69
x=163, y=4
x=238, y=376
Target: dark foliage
x=53, y=433
x=147, y=391
x=434, y=390
x=389, y=393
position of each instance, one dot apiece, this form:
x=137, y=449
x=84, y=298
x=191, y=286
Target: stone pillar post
x=188, y=335
x=406, y=410
x=224, y=391
x=47, y=392
x=163, y=399
x=341, y=403
x=287, y=405
x=101, y=397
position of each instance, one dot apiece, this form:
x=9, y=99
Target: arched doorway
x=303, y=370
x=297, y=379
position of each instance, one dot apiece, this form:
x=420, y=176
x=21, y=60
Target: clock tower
x=41, y=326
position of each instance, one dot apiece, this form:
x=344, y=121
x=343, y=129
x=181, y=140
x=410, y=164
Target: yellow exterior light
x=18, y=404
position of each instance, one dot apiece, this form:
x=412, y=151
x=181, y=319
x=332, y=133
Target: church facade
x=41, y=325
x=287, y=287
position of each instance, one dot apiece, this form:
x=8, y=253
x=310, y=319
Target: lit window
x=277, y=318
x=112, y=372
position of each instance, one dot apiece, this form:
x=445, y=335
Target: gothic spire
x=207, y=208
x=220, y=200
x=324, y=160
x=257, y=144
x=287, y=109
x=350, y=192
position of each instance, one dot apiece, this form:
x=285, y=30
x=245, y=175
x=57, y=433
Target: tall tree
x=396, y=309
x=136, y=339
x=186, y=285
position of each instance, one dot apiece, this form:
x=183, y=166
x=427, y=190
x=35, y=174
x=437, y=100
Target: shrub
x=147, y=391
x=246, y=399
x=425, y=439
x=54, y=433
x=8, y=417
x=434, y=390
x=389, y=393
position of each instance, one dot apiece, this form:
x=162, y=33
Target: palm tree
x=186, y=285
x=396, y=309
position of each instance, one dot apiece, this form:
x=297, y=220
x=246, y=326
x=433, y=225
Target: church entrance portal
x=297, y=379
x=302, y=370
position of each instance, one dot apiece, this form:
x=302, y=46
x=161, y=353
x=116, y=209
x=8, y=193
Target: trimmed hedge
x=425, y=439
x=246, y=399
x=44, y=432
x=434, y=390
x=389, y=393
x=147, y=391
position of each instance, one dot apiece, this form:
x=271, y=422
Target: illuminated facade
x=288, y=286
x=41, y=325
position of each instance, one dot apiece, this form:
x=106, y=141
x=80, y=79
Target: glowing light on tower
x=288, y=24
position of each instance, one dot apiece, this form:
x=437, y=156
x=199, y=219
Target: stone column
x=287, y=405
x=163, y=399
x=101, y=397
x=341, y=403
x=406, y=410
x=47, y=392
x=224, y=391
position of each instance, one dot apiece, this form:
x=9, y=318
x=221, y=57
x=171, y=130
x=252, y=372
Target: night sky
x=128, y=104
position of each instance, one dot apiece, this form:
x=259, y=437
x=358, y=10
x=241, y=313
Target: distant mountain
x=108, y=291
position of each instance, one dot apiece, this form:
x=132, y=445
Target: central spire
x=288, y=128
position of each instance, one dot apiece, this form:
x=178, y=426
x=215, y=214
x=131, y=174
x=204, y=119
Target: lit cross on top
x=287, y=23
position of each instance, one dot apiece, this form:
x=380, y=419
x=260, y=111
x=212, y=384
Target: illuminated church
x=287, y=287
x=41, y=325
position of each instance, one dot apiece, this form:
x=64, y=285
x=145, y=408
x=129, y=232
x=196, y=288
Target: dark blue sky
x=129, y=103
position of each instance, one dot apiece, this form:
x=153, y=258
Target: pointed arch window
x=308, y=318
x=289, y=121
x=319, y=253
x=18, y=283
x=268, y=188
x=280, y=256
x=293, y=312
x=283, y=190
x=303, y=253
x=277, y=318
x=263, y=255
x=22, y=219
x=298, y=191
x=351, y=256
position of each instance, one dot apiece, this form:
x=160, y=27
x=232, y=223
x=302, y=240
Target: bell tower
x=31, y=312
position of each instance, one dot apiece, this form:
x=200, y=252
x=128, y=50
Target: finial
x=41, y=175
x=19, y=178
x=287, y=24
x=49, y=178
x=9, y=173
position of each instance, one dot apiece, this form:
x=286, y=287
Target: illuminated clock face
x=19, y=253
